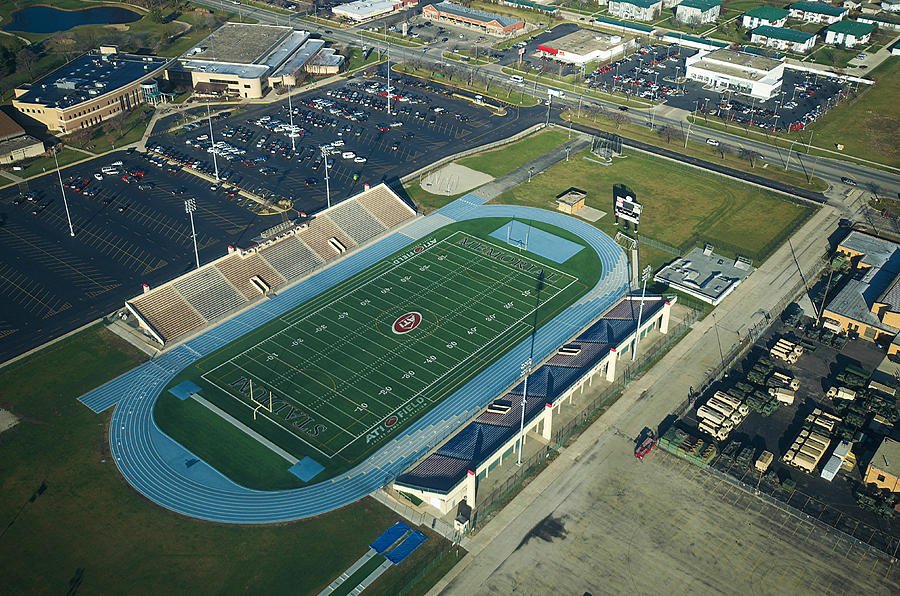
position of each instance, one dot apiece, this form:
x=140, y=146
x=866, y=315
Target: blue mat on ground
x=406, y=547
x=390, y=536
x=184, y=390
x=545, y=244
x=306, y=469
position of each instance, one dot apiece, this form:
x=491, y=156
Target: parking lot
x=129, y=233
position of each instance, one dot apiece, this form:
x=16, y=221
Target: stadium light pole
x=637, y=332
x=212, y=141
x=190, y=206
x=63, y=191
x=716, y=327
x=291, y=114
x=526, y=370
x=327, y=185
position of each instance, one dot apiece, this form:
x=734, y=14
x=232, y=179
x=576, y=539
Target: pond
x=46, y=19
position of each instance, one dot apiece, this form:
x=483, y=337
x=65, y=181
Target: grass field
x=350, y=368
x=89, y=530
x=40, y=165
x=683, y=206
x=502, y=161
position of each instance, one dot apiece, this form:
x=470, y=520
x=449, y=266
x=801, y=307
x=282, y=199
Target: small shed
x=764, y=461
x=571, y=201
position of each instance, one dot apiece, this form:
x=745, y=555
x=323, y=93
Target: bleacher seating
x=290, y=257
x=240, y=270
x=167, y=312
x=320, y=230
x=385, y=206
x=358, y=223
x=209, y=292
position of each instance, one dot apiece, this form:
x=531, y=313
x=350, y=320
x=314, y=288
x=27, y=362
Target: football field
x=337, y=376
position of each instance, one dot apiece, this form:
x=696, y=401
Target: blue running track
x=168, y=474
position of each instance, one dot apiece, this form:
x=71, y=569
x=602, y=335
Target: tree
x=26, y=59
x=619, y=119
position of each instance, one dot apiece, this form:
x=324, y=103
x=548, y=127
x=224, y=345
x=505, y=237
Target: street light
x=567, y=150
x=716, y=327
x=327, y=185
x=190, y=206
x=63, y=191
x=526, y=370
x=293, y=134
x=212, y=141
x=530, y=173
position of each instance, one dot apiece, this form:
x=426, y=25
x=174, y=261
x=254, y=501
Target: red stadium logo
x=391, y=421
x=406, y=323
x=419, y=249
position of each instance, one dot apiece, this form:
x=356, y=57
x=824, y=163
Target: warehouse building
x=485, y=22
x=869, y=302
x=884, y=469
x=849, y=33
x=705, y=275
x=364, y=10
x=15, y=145
x=243, y=60
x=451, y=474
x=635, y=10
x=816, y=12
x=94, y=87
x=696, y=12
x=783, y=39
x=764, y=15
x=736, y=71
x=585, y=46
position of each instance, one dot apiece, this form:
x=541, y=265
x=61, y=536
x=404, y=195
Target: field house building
x=243, y=60
x=451, y=473
x=816, y=12
x=741, y=72
x=848, y=33
x=705, y=275
x=869, y=303
x=635, y=10
x=696, y=12
x=15, y=145
x=485, y=22
x=780, y=38
x=764, y=15
x=364, y=10
x=88, y=90
x=584, y=45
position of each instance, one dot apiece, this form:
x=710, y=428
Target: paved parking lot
x=51, y=283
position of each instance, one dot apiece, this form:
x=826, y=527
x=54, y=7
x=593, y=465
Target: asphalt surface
x=124, y=237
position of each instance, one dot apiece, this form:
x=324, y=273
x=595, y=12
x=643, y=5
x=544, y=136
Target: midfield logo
x=406, y=323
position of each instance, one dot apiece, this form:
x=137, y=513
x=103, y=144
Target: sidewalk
x=646, y=402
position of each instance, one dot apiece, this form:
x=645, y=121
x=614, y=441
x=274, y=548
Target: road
x=830, y=170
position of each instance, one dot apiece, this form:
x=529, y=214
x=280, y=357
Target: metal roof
x=887, y=457
x=854, y=28
x=768, y=13
x=782, y=33
x=818, y=8
x=701, y=5
x=639, y=3
x=475, y=15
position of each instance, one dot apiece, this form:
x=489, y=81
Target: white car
x=98, y=176
x=348, y=155
x=359, y=159
x=712, y=142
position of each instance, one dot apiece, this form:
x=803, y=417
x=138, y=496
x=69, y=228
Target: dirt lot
x=665, y=526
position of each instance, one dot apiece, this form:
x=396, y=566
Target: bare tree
x=619, y=119
x=26, y=59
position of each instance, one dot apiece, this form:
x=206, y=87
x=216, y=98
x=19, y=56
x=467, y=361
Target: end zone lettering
x=508, y=259
x=297, y=418
x=417, y=249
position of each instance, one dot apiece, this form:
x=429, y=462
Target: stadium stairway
x=140, y=450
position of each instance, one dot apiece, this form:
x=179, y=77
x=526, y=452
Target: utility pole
x=190, y=206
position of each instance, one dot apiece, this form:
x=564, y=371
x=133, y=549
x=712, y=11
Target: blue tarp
x=406, y=547
x=306, y=469
x=390, y=536
x=184, y=390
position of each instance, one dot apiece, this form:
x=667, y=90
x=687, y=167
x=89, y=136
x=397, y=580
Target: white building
x=848, y=33
x=764, y=15
x=739, y=72
x=363, y=10
x=788, y=40
x=816, y=12
x=695, y=12
x=890, y=5
x=585, y=46
x=635, y=10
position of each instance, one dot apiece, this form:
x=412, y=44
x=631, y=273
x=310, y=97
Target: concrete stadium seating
x=168, y=312
x=358, y=223
x=385, y=205
x=291, y=257
x=238, y=270
x=209, y=292
x=317, y=234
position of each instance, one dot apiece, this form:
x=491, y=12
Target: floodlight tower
x=190, y=206
x=389, y=79
x=291, y=114
x=526, y=370
x=63, y=191
x=645, y=275
x=327, y=185
x=212, y=141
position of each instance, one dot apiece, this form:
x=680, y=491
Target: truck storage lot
x=664, y=526
x=51, y=283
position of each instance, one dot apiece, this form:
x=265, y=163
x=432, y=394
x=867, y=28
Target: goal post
x=260, y=404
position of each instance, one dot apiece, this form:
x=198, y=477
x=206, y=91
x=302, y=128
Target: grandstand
x=450, y=474
x=226, y=285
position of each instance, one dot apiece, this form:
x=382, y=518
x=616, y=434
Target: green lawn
x=504, y=160
x=683, y=206
x=497, y=89
x=425, y=200
x=868, y=125
x=356, y=59
x=39, y=165
x=90, y=530
x=353, y=379
x=109, y=136
x=394, y=38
